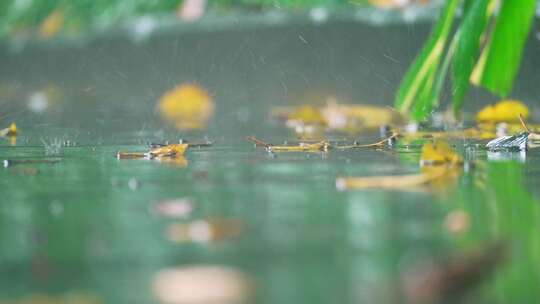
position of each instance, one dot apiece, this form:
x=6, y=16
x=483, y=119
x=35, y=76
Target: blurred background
x=232, y=224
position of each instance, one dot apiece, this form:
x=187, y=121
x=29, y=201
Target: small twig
x=258, y=142
x=523, y=123
x=377, y=144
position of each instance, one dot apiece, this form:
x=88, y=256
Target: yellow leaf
x=187, y=106
x=169, y=150
x=347, y=116
x=503, y=111
x=9, y=131
x=160, y=153
x=51, y=25
x=307, y=115
x=438, y=153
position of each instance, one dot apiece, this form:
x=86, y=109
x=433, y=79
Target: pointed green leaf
x=474, y=24
x=503, y=54
x=421, y=74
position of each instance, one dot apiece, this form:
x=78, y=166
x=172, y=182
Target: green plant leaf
x=502, y=56
x=467, y=51
x=415, y=88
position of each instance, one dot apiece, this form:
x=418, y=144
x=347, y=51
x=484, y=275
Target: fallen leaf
x=439, y=164
x=307, y=115
x=9, y=131
x=168, y=150
x=346, y=118
x=187, y=106
x=161, y=152
x=352, y=116
x=503, y=111
x=439, y=152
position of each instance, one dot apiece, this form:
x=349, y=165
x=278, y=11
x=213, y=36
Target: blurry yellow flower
x=503, y=111
x=187, y=106
x=51, y=25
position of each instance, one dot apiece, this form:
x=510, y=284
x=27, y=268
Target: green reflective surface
x=79, y=225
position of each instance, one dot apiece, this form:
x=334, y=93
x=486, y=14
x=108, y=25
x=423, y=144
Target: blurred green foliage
x=25, y=16
x=484, y=49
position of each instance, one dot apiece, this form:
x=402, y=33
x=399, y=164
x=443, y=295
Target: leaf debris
x=320, y=146
x=438, y=160
x=156, y=151
x=9, y=131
